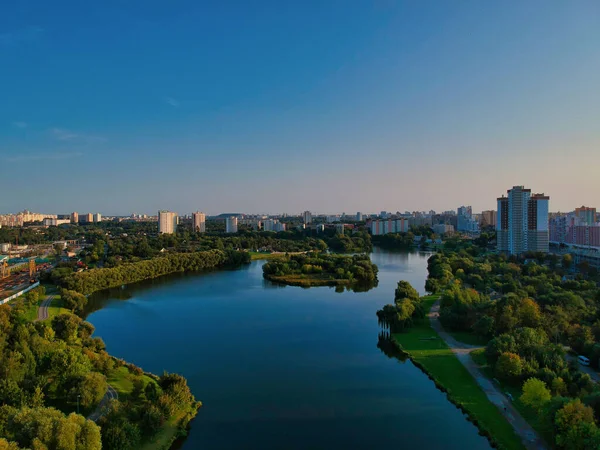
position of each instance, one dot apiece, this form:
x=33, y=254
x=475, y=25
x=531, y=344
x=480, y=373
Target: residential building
x=359, y=217
x=273, y=225
x=465, y=221
x=586, y=215
x=74, y=218
x=199, y=222
x=488, y=218
x=167, y=222
x=88, y=218
x=339, y=228
x=332, y=219
x=97, y=218
x=384, y=214
x=307, y=217
x=55, y=222
x=522, y=222
x=379, y=227
x=231, y=224
x=443, y=228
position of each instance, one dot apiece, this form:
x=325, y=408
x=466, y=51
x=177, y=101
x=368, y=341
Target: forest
x=53, y=373
x=320, y=269
x=89, y=281
x=536, y=313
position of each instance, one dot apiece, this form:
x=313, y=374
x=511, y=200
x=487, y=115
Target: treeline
x=529, y=309
x=323, y=267
x=90, y=281
x=349, y=243
x=407, y=307
x=57, y=364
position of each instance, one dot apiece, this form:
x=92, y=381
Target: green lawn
x=122, y=381
x=165, y=437
x=439, y=361
x=56, y=307
x=266, y=255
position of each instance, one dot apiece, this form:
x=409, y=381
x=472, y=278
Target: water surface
x=284, y=367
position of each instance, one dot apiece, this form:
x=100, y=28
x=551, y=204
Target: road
x=586, y=369
x=530, y=438
x=99, y=411
x=42, y=313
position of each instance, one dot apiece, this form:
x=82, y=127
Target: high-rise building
x=465, y=221
x=586, y=215
x=199, y=222
x=97, y=218
x=359, y=217
x=88, y=218
x=74, y=217
x=231, y=225
x=273, y=225
x=307, y=217
x=167, y=222
x=379, y=227
x=522, y=222
x=488, y=218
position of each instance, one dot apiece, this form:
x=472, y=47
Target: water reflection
x=389, y=348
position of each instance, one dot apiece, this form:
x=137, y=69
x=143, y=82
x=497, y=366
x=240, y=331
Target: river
x=283, y=367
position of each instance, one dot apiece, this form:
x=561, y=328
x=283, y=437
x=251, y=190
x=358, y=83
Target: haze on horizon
x=123, y=107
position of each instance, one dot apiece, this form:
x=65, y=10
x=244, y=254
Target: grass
x=165, y=437
x=436, y=358
x=307, y=280
x=266, y=255
x=530, y=415
x=56, y=307
x=121, y=379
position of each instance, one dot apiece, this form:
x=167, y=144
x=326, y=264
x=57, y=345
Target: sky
x=284, y=106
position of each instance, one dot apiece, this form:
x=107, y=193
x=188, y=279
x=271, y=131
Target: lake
x=283, y=367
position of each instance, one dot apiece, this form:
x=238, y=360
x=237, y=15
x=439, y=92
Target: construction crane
x=5, y=272
x=32, y=268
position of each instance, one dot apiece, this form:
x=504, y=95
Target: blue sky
x=277, y=106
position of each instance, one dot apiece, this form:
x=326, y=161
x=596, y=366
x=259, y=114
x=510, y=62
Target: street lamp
x=78, y=395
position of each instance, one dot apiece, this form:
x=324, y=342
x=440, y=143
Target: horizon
x=320, y=107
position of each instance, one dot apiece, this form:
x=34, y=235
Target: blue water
x=284, y=367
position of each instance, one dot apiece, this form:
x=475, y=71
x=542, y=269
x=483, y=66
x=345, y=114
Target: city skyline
x=327, y=107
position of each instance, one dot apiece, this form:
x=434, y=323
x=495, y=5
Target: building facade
x=359, y=217
x=74, y=217
x=465, y=221
x=231, y=225
x=488, y=218
x=586, y=215
x=199, y=222
x=97, y=218
x=522, y=222
x=307, y=217
x=379, y=227
x=167, y=222
x=273, y=225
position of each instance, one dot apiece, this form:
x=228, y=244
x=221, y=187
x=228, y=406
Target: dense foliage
x=322, y=269
x=406, y=308
x=87, y=282
x=48, y=368
x=529, y=309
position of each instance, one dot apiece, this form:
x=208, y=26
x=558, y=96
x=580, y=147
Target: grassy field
x=265, y=255
x=531, y=416
x=434, y=356
x=165, y=437
x=56, y=307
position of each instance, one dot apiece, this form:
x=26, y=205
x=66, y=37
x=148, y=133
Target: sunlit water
x=284, y=367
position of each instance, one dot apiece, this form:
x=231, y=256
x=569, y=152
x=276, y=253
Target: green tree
x=509, y=366
x=535, y=394
x=405, y=290
x=575, y=426
x=91, y=388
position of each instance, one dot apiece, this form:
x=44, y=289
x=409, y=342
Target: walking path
x=42, y=313
x=462, y=351
x=99, y=411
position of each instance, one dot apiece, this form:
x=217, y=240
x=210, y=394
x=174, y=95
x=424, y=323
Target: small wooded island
x=322, y=269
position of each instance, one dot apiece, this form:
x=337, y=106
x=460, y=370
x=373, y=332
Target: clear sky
x=282, y=106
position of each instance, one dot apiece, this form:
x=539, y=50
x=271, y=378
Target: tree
x=405, y=290
x=529, y=313
x=567, y=261
x=575, y=426
x=509, y=366
x=535, y=394
x=91, y=388
x=558, y=386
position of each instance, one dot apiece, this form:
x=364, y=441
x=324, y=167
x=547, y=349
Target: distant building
x=199, y=222
x=307, y=217
x=97, y=218
x=384, y=214
x=586, y=215
x=74, y=218
x=332, y=219
x=88, y=218
x=522, y=222
x=379, y=227
x=488, y=218
x=231, y=224
x=572, y=229
x=167, y=222
x=320, y=228
x=359, y=217
x=465, y=221
x=339, y=228
x=55, y=222
x=273, y=225
x=443, y=228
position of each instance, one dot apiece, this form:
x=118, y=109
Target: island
x=322, y=269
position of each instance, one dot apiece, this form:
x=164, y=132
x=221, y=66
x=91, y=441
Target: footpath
x=530, y=438
x=42, y=313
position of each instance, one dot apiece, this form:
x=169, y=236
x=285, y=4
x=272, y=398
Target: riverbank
x=312, y=280
x=431, y=354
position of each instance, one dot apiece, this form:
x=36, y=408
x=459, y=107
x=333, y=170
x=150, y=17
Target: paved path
x=99, y=411
x=462, y=351
x=42, y=313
